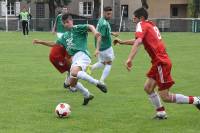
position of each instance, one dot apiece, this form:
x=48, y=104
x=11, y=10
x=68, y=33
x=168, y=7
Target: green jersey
x=59, y=25
x=24, y=16
x=103, y=27
x=75, y=39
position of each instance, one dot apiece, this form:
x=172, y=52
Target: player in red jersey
x=160, y=73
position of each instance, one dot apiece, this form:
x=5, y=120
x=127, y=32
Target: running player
x=160, y=73
x=58, y=27
x=106, y=54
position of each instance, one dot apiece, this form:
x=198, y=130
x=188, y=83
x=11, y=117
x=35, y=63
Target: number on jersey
x=157, y=32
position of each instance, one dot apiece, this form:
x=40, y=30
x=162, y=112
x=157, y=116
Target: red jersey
x=152, y=41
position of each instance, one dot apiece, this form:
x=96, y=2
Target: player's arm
x=115, y=34
x=132, y=53
x=118, y=41
x=98, y=37
x=43, y=42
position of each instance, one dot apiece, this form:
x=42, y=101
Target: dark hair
x=107, y=8
x=66, y=16
x=141, y=12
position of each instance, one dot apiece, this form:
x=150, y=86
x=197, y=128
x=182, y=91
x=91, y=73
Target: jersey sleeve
x=61, y=40
x=140, y=31
x=82, y=28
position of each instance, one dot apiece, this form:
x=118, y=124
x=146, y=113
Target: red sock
x=160, y=109
x=191, y=99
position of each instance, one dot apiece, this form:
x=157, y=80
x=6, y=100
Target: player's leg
x=106, y=71
x=106, y=57
x=23, y=27
x=178, y=98
x=79, y=63
x=149, y=87
x=27, y=30
x=165, y=81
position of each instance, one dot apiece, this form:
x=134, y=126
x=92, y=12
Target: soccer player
x=106, y=54
x=58, y=27
x=61, y=60
x=160, y=73
x=75, y=42
x=24, y=16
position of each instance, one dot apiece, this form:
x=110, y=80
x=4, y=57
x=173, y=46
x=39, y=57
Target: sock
x=155, y=99
x=97, y=65
x=84, y=76
x=106, y=72
x=181, y=99
x=82, y=89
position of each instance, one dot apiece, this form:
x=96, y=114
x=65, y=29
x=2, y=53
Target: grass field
x=30, y=89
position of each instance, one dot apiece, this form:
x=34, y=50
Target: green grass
x=30, y=89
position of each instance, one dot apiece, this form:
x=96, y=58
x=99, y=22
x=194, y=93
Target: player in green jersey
x=58, y=27
x=106, y=54
x=75, y=43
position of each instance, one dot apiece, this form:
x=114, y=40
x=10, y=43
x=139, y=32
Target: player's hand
x=117, y=41
x=96, y=53
x=36, y=41
x=128, y=64
x=116, y=34
x=97, y=34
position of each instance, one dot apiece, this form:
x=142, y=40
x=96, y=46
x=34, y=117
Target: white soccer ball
x=63, y=110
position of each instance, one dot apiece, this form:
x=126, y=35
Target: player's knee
x=147, y=89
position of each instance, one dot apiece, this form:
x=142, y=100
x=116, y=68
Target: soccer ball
x=63, y=110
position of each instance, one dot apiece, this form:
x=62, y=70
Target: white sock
x=82, y=89
x=106, y=72
x=97, y=65
x=84, y=76
x=181, y=99
x=155, y=99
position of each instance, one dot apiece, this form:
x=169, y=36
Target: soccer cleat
x=198, y=103
x=66, y=85
x=160, y=115
x=89, y=69
x=87, y=99
x=102, y=87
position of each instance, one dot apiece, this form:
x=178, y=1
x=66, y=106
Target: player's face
x=108, y=15
x=68, y=23
x=135, y=19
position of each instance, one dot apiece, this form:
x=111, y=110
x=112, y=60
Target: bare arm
x=98, y=37
x=115, y=34
x=125, y=42
x=132, y=53
x=42, y=42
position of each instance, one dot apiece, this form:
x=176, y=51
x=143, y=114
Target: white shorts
x=106, y=55
x=59, y=35
x=81, y=59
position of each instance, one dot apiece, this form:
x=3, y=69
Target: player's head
x=107, y=12
x=140, y=14
x=67, y=20
x=64, y=9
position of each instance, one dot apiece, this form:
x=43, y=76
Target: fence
x=165, y=25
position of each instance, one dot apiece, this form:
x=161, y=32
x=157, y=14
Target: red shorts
x=60, y=58
x=161, y=72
